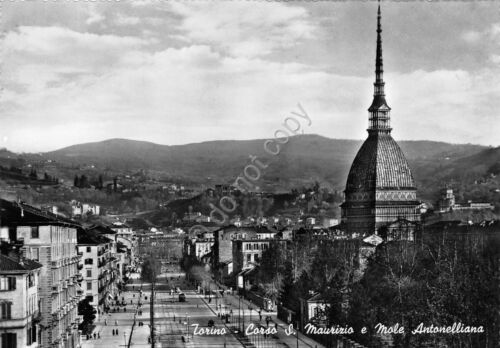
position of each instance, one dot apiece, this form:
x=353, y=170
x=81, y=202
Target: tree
x=88, y=312
x=149, y=270
x=100, y=182
x=84, y=181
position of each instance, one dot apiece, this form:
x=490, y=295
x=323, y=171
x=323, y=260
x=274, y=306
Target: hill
x=304, y=158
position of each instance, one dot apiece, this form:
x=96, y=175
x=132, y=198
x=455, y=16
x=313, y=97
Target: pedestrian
x=95, y=335
x=99, y=335
x=276, y=326
x=116, y=332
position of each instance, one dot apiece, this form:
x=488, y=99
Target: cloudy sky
x=183, y=72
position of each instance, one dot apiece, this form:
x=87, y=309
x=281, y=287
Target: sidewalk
x=123, y=321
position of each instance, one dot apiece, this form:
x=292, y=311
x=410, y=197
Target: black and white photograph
x=249, y=174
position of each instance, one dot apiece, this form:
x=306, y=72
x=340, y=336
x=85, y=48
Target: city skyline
x=177, y=73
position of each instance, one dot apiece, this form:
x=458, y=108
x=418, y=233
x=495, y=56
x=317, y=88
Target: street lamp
x=297, y=324
x=243, y=310
x=239, y=313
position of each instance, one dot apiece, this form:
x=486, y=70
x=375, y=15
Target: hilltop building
x=380, y=187
x=448, y=203
x=84, y=209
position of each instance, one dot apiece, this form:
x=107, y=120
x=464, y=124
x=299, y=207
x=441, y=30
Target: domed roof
x=379, y=164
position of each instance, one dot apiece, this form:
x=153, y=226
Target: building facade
x=51, y=241
x=380, y=187
x=99, y=270
x=19, y=303
x=247, y=253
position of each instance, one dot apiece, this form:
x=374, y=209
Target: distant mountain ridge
x=304, y=158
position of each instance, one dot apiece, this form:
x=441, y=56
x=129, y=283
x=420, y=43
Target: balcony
x=37, y=317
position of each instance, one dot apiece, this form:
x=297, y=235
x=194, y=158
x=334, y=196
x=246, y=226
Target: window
x=88, y=249
x=249, y=257
x=89, y=285
x=34, y=232
x=89, y=261
x=9, y=340
x=6, y=310
x=35, y=254
x=89, y=273
x=7, y=283
x=28, y=335
x=31, y=280
x=12, y=234
x=33, y=333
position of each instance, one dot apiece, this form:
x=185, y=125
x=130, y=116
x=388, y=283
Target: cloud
x=35, y=57
x=454, y=106
x=126, y=20
x=244, y=28
x=94, y=16
x=471, y=36
x=181, y=72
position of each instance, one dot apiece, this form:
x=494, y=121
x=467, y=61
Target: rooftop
x=22, y=214
x=10, y=265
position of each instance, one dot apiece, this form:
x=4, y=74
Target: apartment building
x=20, y=314
x=99, y=269
x=51, y=241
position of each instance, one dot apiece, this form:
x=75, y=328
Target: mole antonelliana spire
x=379, y=110
x=380, y=194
